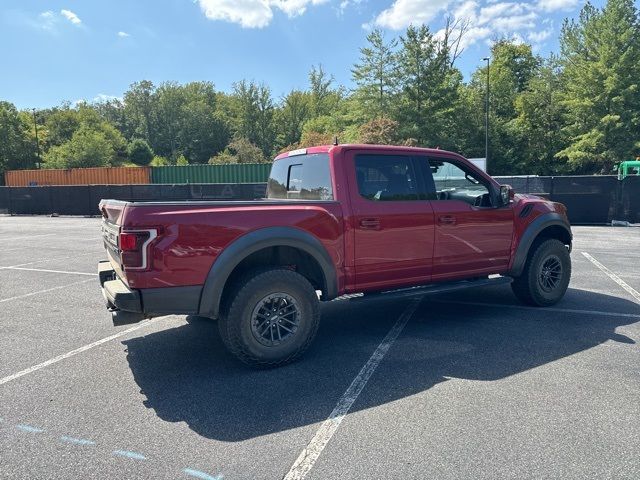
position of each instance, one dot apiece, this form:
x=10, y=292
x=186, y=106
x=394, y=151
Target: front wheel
x=546, y=274
x=271, y=318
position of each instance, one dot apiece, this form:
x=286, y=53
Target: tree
x=139, y=152
x=380, y=131
x=182, y=161
x=203, y=131
x=17, y=149
x=240, y=150
x=429, y=88
x=601, y=58
x=321, y=91
x=376, y=75
x=513, y=66
x=87, y=148
x=540, y=121
x=159, y=162
x=61, y=124
x=254, y=110
x=139, y=103
x=289, y=120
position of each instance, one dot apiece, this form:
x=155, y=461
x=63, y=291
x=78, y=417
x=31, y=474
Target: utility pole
x=35, y=125
x=486, y=120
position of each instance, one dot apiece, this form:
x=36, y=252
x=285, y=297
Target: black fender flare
x=533, y=230
x=249, y=243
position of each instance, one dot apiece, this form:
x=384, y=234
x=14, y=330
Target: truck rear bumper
x=124, y=304
x=131, y=306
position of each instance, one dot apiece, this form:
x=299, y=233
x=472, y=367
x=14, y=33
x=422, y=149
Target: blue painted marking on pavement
x=128, y=454
x=77, y=441
x=29, y=428
x=202, y=475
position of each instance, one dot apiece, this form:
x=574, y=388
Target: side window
x=386, y=178
x=301, y=177
x=455, y=183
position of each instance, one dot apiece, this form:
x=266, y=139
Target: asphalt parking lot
x=474, y=386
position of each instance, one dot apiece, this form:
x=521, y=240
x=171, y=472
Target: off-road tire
x=532, y=287
x=237, y=322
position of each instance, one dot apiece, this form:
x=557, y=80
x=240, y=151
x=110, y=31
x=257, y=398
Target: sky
x=69, y=50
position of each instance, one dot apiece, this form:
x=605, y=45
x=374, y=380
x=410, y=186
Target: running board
x=435, y=288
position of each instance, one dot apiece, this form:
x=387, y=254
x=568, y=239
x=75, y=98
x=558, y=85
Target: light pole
x=486, y=120
x=35, y=125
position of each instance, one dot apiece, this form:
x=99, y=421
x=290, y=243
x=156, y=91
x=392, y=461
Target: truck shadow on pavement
x=187, y=376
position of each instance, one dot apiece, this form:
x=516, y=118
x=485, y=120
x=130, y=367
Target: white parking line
x=48, y=260
x=30, y=294
x=27, y=237
x=634, y=293
x=59, y=358
x=539, y=309
x=307, y=458
x=49, y=271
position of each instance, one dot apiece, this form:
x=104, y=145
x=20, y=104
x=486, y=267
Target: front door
x=472, y=237
x=393, y=221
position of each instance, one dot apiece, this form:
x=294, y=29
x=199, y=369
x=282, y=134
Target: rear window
x=301, y=177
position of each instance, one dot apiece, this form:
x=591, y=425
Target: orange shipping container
x=79, y=176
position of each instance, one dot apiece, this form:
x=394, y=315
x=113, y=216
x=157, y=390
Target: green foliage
x=87, y=148
x=182, y=161
x=17, y=146
x=254, y=111
x=240, y=150
x=139, y=152
x=539, y=122
x=380, y=131
x=601, y=55
x=376, y=76
x=291, y=117
x=158, y=161
x=429, y=85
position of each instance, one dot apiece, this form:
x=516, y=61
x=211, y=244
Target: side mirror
x=506, y=194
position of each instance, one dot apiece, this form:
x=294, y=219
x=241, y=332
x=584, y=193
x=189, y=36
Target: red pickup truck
x=337, y=219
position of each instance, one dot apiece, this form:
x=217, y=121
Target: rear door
x=393, y=220
x=472, y=237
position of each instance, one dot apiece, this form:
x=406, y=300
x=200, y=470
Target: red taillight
x=134, y=246
x=128, y=241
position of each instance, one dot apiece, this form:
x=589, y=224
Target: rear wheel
x=546, y=274
x=271, y=318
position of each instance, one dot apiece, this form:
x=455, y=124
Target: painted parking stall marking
x=308, y=457
x=50, y=271
x=31, y=294
x=84, y=348
x=632, y=291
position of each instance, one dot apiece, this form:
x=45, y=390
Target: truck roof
x=349, y=146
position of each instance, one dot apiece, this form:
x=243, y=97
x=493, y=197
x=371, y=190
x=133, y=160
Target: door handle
x=370, y=223
x=447, y=220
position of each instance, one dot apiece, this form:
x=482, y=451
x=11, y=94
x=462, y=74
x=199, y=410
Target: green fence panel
x=238, y=173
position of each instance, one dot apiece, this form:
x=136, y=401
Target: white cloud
x=482, y=20
x=539, y=36
x=403, y=13
x=50, y=20
x=47, y=20
x=103, y=97
x=253, y=13
x=496, y=19
x=345, y=4
x=123, y=34
x=554, y=5
x=72, y=17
